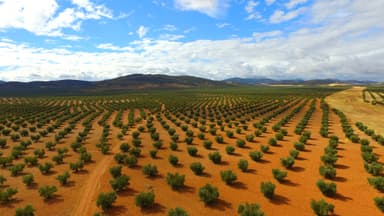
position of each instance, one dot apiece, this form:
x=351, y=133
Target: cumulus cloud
x=213, y=8
x=250, y=9
x=280, y=16
x=43, y=17
x=269, y=2
x=293, y=3
x=142, y=31
x=341, y=39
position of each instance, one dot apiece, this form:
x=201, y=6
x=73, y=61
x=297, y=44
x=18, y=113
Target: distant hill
x=267, y=81
x=121, y=84
x=154, y=81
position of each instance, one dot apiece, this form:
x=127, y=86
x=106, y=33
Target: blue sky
x=217, y=39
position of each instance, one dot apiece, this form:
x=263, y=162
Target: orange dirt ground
x=354, y=194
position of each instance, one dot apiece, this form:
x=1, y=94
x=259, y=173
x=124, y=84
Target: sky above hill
x=216, y=39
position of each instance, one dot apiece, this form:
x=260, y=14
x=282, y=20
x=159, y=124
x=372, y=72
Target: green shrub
x=240, y=143
x=264, y=148
x=119, y=183
x=377, y=183
x=328, y=189
x=173, y=146
x=287, y=162
x=279, y=136
x=249, y=209
x=215, y=157
x=7, y=194
x=294, y=153
x=192, y=151
x=279, y=175
x=39, y=153
x=26, y=211
x=124, y=147
x=28, y=179
x=272, y=142
x=3, y=143
x=299, y=146
x=197, y=168
x=31, y=160
x=229, y=149
x=249, y=138
x=16, y=169
x=115, y=171
x=364, y=142
x=328, y=172
x=150, y=170
x=145, y=199
x=158, y=144
x=176, y=181
x=77, y=166
x=106, y=200
x=268, y=189
x=374, y=168
x=243, y=165
x=329, y=159
x=207, y=144
x=321, y=207
x=2, y=179
x=131, y=161
x=177, y=212
x=173, y=160
x=228, y=176
x=47, y=191
x=63, y=178
x=153, y=153
x=219, y=139
x=255, y=155
x=379, y=202
x=208, y=194
x=369, y=157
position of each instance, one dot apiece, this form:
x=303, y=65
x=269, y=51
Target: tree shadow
x=289, y=183
x=127, y=192
x=341, y=197
x=117, y=210
x=53, y=200
x=12, y=203
x=297, y=169
x=263, y=161
x=279, y=200
x=156, y=208
x=251, y=171
x=239, y=185
x=206, y=175
x=186, y=189
x=220, y=205
x=341, y=166
x=81, y=172
x=300, y=158
x=339, y=179
x=223, y=163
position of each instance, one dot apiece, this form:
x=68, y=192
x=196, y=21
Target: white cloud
x=171, y=37
x=222, y=25
x=213, y=8
x=251, y=6
x=341, y=45
x=280, y=16
x=42, y=17
x=269, y=2
x=250, y=9
x=142, y=31
x=169, y=27
x=264, y=35
x=109, y=46
x=293, y=3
